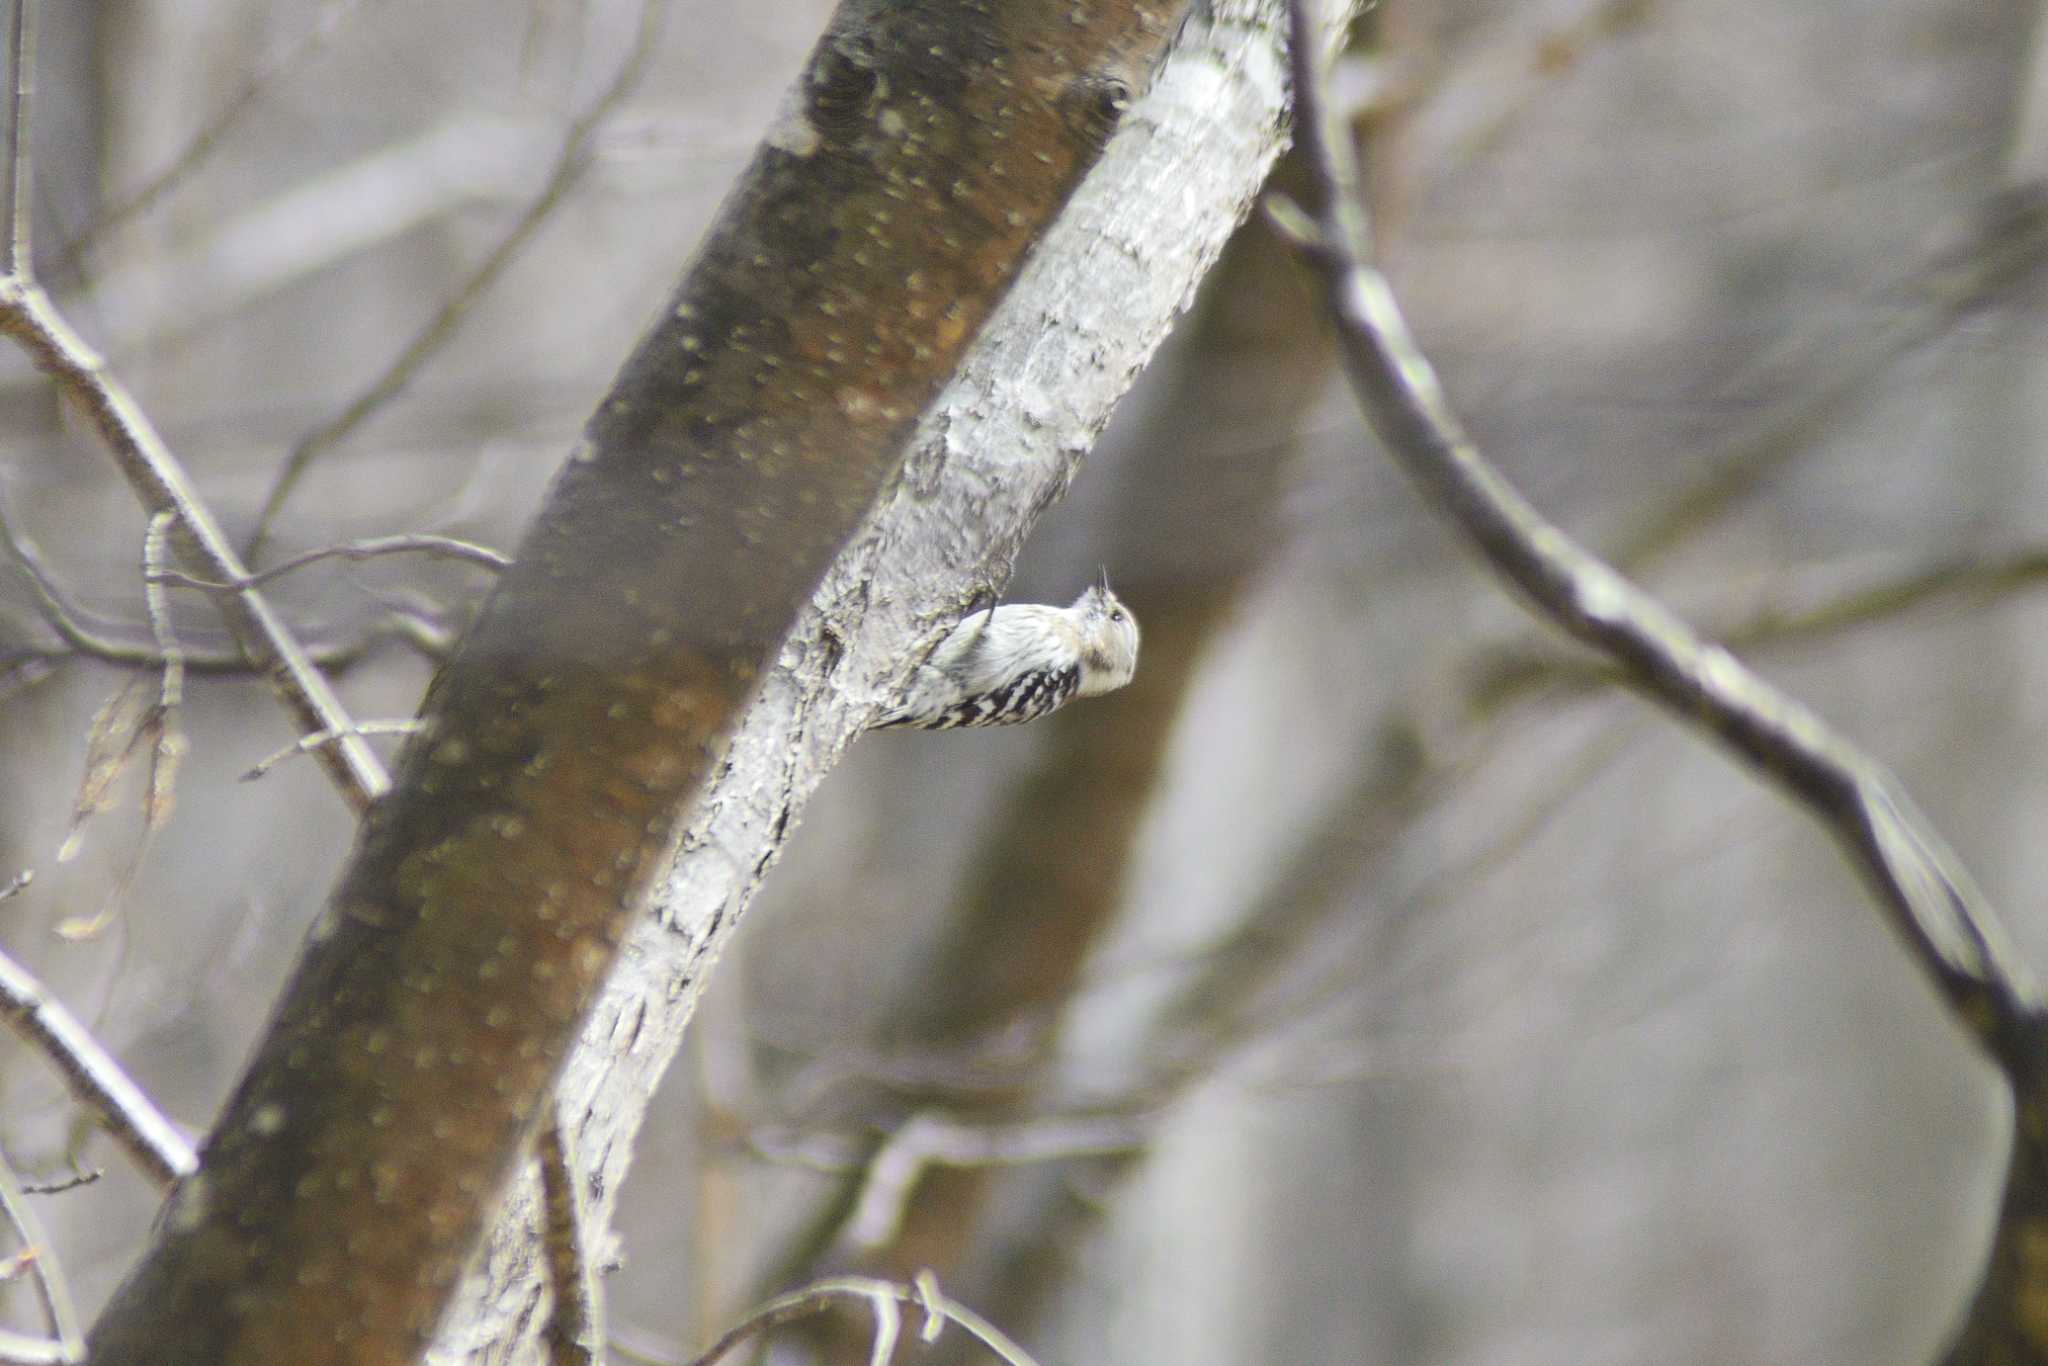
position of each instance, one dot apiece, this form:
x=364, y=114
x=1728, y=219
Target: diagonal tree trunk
x=999, y=445
x=664, y=670
x=572, y=736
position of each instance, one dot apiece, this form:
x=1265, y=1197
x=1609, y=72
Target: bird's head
x=1109, y=640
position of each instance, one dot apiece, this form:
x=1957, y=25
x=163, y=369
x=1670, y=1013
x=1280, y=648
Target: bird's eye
x=1115, y=615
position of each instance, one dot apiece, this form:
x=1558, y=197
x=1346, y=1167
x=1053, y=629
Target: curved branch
x=1933, y=904
x=883, y=1299
x=28, y=317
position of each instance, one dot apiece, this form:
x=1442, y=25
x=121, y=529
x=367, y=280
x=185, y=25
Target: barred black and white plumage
x=1019, y=661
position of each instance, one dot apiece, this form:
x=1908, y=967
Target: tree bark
x=1001, y=443
x=575, y=737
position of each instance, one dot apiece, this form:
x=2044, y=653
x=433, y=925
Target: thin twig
x=28, y=317
x=172, y=693
x=79, y=1177
x=882, y=1299
x=418, y=621
x=1511, y=673
x=92, y=1076
x=33, y=322
x=83, y=633
x=575, y=1331
x=1930, y=899
x=170, y=744
x=321, y=739
x=930, y=1138
x=440, y=547
x=938, y=1308
x=570, y=163
x=66, y=619
x=16, y=1349
x=122, y=726
x=51, y=1286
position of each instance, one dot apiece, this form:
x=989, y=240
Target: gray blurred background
x=1364, y=984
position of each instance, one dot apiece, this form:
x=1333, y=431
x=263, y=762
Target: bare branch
x=570, y=163
x=92, y=1076
x=321, y=739
x=440, y=547
x=33, y=322
x=18, y=1350
x=1511, y=673
x=67, y=620
x=882, y=1298
x=79, y=1177
x=80, y=632
x=930, y=1138
x=1931, y=900
x=51, y=1286
x=29, y=318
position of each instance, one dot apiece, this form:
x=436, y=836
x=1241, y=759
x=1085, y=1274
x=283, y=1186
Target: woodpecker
x=1021, y=660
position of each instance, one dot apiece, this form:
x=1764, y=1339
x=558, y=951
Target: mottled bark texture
x=925, y=148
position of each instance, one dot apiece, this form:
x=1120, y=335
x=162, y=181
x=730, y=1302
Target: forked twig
x=27, y=316
x=321, y=739
x=80, y=632
x=32, y=321
x=883, y=1299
